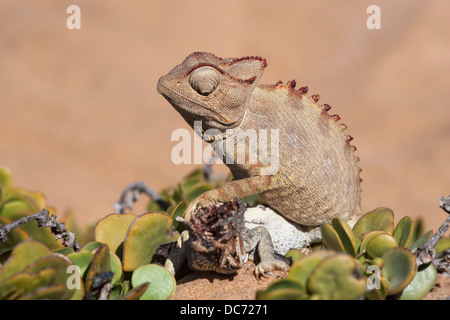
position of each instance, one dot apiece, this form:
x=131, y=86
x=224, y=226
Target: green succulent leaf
x=193, y=192
x=252, y=201
x=418, y=230
x=41, y=234
x=92, y=246
x=336, y=278
x=22, y=283
x=346, y=235
x=403, y=231
x=421, y=284
x=442, y=245
x=161, y=282
x=64, y=250
x=57, y=262
x=330, y=238
x=283, y=290
x=377, y=261
x=14, y=237
x=83, y=260
x=153, y=206
x=365, y=238
x=35, y=199
x=23, y=254
x=112, y=230
x=358, y=245
x=294, y=254
x=177, y=211
x=5, y=178
x=173, y=196
x=79, y=292
x=116, y=267
x=100, y=265
x=145, y=234
x=421, y=240
x=196, y=174
x=190, y=183
x=303, y=267
x=116, y=291
x=37, y=279
x=136, y=293
x=378, y=293
x=374, y=294
x=399, y=268
x=380, y=219
x=17, y=204
x=47, y=293
x=379, y=244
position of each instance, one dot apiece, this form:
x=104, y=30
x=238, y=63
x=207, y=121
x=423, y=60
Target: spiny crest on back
x=301, y=93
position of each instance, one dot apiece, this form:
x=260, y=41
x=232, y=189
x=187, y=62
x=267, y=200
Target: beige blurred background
x=80, y=116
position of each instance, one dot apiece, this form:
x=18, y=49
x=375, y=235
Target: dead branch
x=131, y=194
x=426, y=253
x=43, y=219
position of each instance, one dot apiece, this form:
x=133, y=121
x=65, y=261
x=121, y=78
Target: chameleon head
x=211, y=89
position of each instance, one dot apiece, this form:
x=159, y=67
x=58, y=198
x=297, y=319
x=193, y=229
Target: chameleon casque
x=317, y=177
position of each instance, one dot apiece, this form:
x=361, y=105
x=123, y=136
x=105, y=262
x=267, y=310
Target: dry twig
x=43, y=219
x=131, y=194
x=426, y=253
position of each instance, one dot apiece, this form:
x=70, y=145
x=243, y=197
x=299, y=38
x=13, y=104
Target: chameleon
x=313, y=175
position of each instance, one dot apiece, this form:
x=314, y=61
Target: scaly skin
x=216, y=239
x=316, y=179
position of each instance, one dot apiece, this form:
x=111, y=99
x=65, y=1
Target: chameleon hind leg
x=259, y=239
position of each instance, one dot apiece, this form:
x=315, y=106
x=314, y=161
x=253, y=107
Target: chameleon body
x=316, y=177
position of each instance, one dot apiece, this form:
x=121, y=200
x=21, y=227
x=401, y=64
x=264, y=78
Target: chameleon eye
x=204, y=80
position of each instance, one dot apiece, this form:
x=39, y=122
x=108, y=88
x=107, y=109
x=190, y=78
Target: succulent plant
x=118, y=261
x=34, y=265
x=135, y=238
x=161, y=282
x=372, y=260
x=34, y=272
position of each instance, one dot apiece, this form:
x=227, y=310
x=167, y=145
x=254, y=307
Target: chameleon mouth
x=216, y=232
x=165, y=90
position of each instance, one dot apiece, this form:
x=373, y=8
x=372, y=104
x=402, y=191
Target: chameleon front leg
x=177, y=256
x=238, y=188
x=259, y=238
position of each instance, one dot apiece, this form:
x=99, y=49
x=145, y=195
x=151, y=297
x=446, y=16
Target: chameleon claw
x=266, y=267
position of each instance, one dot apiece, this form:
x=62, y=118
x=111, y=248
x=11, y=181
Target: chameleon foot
x=267, y=266
x=195, y=205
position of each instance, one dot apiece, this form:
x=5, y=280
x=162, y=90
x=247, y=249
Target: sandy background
x=80, y=116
